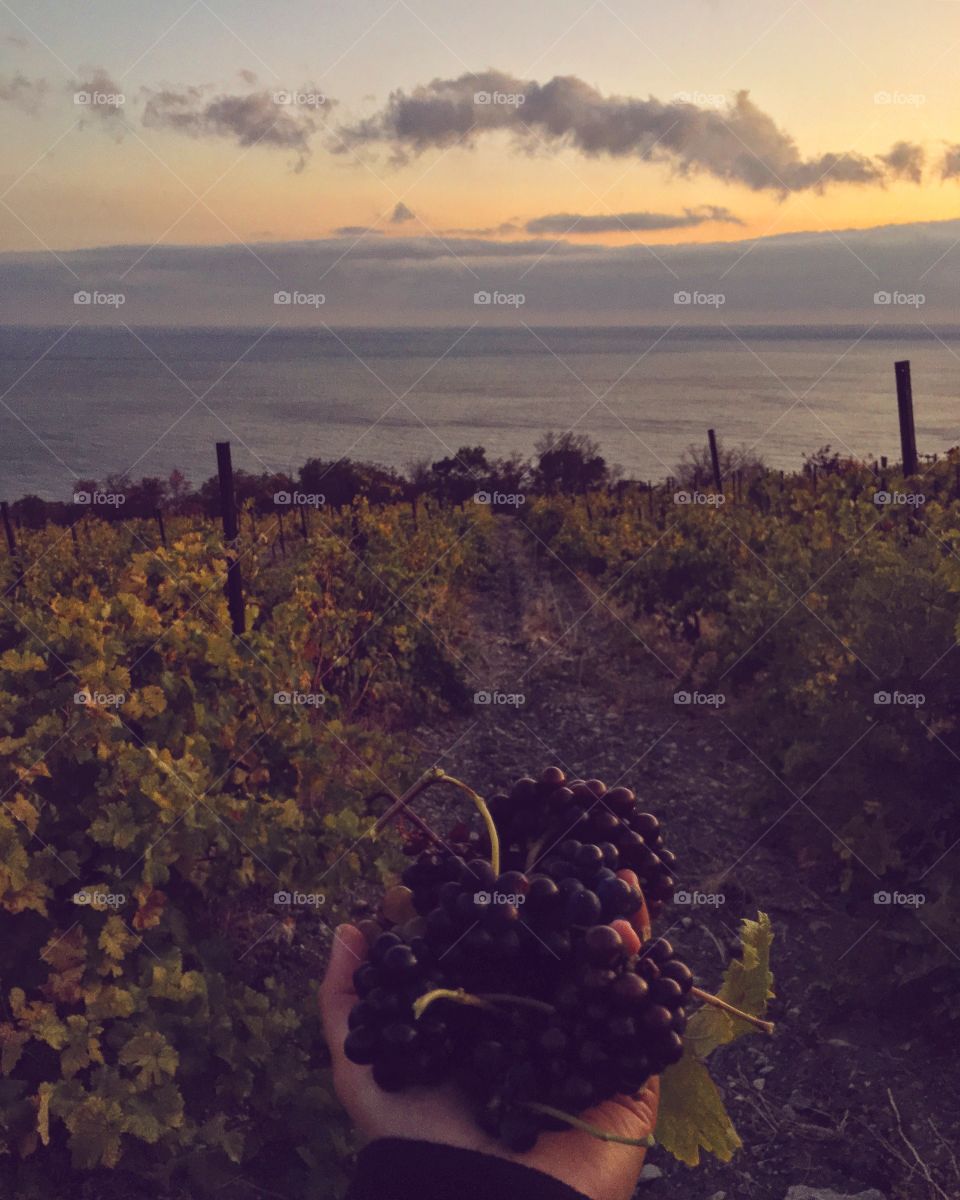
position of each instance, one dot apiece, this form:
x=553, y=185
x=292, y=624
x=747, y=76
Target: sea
x=90, y=402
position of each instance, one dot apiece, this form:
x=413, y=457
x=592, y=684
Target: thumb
x=337, y=995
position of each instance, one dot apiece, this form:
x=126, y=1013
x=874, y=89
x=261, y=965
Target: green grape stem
x=488, y=821
x=422, y=1003
x=492, y=1001
x=585, y=1126
x=716, y=1002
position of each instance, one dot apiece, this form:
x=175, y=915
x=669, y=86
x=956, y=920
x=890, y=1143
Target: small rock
x=719, y=1196
x=649, y=1173
x=802, y=1192
x=758, y=1084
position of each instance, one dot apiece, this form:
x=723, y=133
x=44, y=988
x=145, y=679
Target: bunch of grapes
x=522, y=987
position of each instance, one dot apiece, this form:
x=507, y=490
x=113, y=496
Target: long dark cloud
x=23, y=93
x=636, y=222
x=389, y=281
x=738, y=144
x=485, y=231
x=255, y=118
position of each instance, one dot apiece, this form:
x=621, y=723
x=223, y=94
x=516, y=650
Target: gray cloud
x=738, y=144
x=905, y=160
x=357, y=230
x=99, y=100
x=574, y=223
x=255, y=119
x=23, y=93
x=950, y=163
x=401, y=213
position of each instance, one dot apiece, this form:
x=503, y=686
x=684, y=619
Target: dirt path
x=811, y=1104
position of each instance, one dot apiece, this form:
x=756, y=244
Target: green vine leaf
x=747, y=985
x=692, y=1116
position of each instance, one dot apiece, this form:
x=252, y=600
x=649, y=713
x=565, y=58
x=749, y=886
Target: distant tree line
x=568, y=462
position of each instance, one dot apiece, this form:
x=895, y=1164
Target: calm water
x=101, y=401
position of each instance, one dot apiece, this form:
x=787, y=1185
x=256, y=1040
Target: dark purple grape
x=646, y=824
x=666, y=991
x=365, y=979
x=361, y=1014
x=629, y=992
x=512, y=883
x=620, y=799
x=519, y=1130
x=398, y=1036
x=542, y=896
x=659, y=950
x=678, y=971
x=611, y=855
x=399, y=961
x=583, y=908
x=589, y=859
x=361, y=1045
x=553, y=1042
x=380, y=947
x=603, y=944
x=389, y=1075
x=480, y=875
x=657, y=1018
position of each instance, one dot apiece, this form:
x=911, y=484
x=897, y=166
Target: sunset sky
x=640, y=124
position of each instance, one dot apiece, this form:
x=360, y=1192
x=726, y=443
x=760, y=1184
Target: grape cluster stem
x=585, y=1126
x=716, y=1002
x=434, y=775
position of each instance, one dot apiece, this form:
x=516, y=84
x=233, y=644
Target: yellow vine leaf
x=115, y=939
x=153, y=1055
x=12, y=1042
x=692, y=1117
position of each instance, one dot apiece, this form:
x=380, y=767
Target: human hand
x=601, y=1170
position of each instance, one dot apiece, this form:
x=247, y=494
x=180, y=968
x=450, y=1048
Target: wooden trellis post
x=908, y=434
x=715, y=460
x=228, y=509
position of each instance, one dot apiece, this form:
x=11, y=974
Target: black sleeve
x=403, y=1169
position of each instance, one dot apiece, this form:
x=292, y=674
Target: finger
x=641, y=918
x=337, y=996
x=628, y=935
x=653, y=1091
